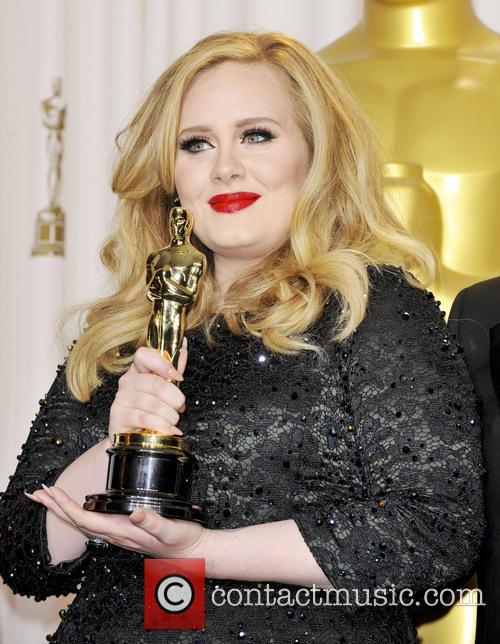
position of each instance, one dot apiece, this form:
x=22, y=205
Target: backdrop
x=108, y=52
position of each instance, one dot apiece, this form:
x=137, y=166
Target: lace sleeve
x=62, y=430
x=417, y=521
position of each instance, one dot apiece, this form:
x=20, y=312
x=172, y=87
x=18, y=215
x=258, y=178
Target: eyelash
x=186, y=144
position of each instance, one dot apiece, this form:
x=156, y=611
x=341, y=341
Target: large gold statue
x=428, y=74
x=49, y=226
x=54, y=111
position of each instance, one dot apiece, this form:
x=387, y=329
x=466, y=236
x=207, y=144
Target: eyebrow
x=206, y=128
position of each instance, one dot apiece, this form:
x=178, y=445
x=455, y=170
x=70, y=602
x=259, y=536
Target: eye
x=258, y=131
x=192, y=143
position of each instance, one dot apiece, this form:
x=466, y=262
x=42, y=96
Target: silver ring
x=97, y=541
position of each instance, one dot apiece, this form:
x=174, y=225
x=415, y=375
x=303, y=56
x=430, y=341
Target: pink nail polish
x=47, y=489
x=32, y=497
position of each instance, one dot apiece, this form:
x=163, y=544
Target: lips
x=233, y=201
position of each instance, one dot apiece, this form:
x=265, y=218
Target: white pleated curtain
x=107, y=52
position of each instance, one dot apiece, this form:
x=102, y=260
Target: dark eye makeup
x=188, y=143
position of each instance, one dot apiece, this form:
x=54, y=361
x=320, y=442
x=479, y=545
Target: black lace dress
x=374, y=452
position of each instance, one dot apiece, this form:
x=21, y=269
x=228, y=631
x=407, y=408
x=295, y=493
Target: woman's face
x=220, y=155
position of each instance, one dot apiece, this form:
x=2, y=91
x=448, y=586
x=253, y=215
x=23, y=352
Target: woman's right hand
x=145, y=398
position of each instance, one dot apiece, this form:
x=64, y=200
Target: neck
x=417, y=23
x=226, y=271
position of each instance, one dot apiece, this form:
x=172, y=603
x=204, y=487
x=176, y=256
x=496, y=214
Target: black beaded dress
x=373, y=450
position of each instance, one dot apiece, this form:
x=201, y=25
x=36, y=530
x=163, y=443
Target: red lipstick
x=232, y=201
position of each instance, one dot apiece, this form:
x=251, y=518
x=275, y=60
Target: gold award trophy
x=49, y=227
x=147, y=468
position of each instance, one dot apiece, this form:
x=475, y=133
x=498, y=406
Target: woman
x=329, y=408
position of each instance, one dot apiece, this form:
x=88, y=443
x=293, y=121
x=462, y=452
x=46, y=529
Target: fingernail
x=31, y=497
x=47, y=489
x=184, y=342
x=176, y=374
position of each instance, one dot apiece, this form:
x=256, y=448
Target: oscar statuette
x=147, y=468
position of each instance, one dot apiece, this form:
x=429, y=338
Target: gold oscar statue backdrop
x=428, y=74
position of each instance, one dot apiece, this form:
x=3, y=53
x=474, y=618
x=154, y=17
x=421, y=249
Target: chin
x=232, y=240
x=238, y=251
x=235, y=250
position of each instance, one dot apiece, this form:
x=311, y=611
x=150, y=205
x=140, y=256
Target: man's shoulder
x=479, y=292
x=476, y=308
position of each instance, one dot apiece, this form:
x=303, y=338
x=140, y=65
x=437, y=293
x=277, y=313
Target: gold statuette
x=49, y=227
x=148, y=468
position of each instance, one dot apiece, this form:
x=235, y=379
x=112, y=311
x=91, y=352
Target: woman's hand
x=145, y=397
x=143, y=531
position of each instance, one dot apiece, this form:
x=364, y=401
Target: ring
x=97, y=542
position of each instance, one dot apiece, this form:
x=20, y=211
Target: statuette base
x=127, y=502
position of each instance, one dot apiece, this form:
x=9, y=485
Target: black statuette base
x=127, y=502
x=158, y=478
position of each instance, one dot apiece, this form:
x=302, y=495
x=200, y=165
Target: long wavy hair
x=341, y=223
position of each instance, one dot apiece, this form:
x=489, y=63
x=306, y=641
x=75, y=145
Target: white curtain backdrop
x=107, y=52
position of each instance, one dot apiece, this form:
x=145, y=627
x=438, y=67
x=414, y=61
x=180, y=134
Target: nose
x=227, y=165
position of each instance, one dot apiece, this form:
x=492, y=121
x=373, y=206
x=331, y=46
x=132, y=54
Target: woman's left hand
x=143, y=531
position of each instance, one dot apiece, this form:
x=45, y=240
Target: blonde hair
x=340, y=226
